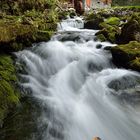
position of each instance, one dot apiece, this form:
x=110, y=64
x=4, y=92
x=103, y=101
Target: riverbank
x=119, y=25
x=22, y=23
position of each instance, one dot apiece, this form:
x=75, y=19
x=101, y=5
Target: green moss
x=24, y=22
x=127, y=55
x=21, y=31
x=109, y=31
x=101, y=37
x=112, y=37
x=9, y=95
x=135, y=64
x=90, y=16
x=20, y=6
x=113, y=21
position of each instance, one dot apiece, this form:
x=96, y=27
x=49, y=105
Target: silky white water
x=71, y=79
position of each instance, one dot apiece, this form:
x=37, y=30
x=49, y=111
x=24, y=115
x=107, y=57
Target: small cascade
x=71, y=24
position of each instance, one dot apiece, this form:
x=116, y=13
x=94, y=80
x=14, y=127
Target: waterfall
x=71, y=23
x=82, y=94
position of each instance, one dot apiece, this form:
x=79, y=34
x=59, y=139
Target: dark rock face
x=130, y=32
x=93, y=24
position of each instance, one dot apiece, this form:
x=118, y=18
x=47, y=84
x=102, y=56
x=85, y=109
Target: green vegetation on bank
x=25, y=22
x=18, y=32
x=9, y=95
x=22, y=22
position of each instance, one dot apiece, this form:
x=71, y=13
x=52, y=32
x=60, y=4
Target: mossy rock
x=101, y=37
x=92, y=21
x=127, y=55
x=33, y=22
x=93, y=24
x=20, y=32
x=113, y=21
x=135, y=64
x=130, y=32
x=9, y=95
x=110, y=32
x=18, y=7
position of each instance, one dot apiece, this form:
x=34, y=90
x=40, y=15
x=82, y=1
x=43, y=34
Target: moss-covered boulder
x=9, y=95
x=108, y=31
x=130, y=32
x=93, y=24
x=127, y=55
x=101, y=37
x=92, y=21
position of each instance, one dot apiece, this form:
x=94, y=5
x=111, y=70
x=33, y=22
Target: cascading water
x=82, y=94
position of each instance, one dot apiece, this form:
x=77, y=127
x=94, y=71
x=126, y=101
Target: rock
x=18, y=32
x=127, y=55
x=113, y=21
x=93, y=23
x=124, y=82
x=98, y=46
x=108, y=33
x=101, y=37
x=108, y=48
x=126, y=88
x=130, y=32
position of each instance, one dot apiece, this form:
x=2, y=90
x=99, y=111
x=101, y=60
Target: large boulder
x=92, y=21
x=108, y=32
x=127, y=55
x=130, y=32
x=93, y=24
